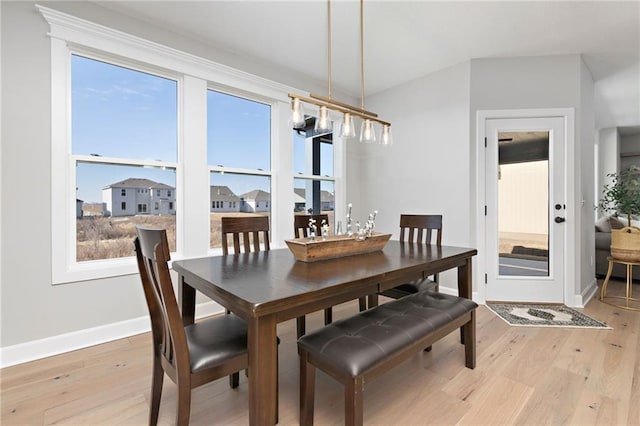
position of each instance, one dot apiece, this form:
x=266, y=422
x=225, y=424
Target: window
x=230, y=139
x=313, y=184
x=85, y=103
x=118, y=115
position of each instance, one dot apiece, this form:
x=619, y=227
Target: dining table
x=268, y=287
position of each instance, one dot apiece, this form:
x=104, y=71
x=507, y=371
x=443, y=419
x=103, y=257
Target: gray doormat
x=527, y=315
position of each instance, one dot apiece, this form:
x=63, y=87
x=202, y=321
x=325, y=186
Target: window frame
x=194, y=75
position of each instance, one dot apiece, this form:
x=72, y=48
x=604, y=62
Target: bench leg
x=307, y=389
x=301, y=325
x=353, y=402
x=362, y=302
x=469, y=333
x=372, y=300
x=328, y=316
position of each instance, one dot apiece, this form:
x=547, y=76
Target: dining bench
x=362, y=347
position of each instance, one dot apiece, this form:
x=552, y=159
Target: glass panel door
x=523, y=203
x=525, y=209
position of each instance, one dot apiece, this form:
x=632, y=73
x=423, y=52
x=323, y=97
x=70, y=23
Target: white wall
x=426, y=171
x=585, y=142
x=608, y=156
x=430, y=169
x=548, y=82
x=32, y=308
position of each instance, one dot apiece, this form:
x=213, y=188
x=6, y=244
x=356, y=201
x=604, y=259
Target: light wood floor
x=537, y=376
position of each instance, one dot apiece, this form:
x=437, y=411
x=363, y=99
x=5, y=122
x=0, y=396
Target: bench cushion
x=355, y=344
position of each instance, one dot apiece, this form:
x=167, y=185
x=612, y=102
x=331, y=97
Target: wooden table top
x=260, y=283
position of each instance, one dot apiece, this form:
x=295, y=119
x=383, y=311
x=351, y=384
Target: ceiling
x=405, y=40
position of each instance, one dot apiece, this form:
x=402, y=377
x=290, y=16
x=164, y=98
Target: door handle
x=559, y=219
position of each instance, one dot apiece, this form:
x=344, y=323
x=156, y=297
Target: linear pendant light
x=326, y=104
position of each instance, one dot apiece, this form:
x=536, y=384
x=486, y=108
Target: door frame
x=568, y=116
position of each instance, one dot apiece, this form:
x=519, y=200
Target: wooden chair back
x=421, y=228
x=301, y=224
x=245, y=233
x=214, y=341
x=152, y=252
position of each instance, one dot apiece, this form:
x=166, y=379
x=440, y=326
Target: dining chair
x=418, y=228
x=301, y=230
x=190, y=355
x=245, y=233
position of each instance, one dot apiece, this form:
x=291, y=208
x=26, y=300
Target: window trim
x=195, y=74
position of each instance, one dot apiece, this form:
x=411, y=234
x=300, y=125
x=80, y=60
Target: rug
x=527, y=315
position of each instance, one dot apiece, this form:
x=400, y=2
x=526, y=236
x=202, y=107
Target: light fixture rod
x=343, y=108
x=329, y=45
x=342, y=104
x=362, y=54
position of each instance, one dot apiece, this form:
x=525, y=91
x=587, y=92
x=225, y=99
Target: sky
x=123, y=113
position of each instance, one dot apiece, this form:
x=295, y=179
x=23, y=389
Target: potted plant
x=622, y=195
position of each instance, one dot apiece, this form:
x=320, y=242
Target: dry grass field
x=112, y=237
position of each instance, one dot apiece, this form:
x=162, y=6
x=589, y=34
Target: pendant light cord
x=329, y=45
x=362, y=54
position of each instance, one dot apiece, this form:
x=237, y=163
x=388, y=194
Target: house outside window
x=113, y=105
x=83, y=55
x=250, y=177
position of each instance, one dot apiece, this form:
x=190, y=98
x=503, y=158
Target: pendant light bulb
x=323, y=123
x=348, y=130
x=386, y=138
x=367, y=133
x=297, y=114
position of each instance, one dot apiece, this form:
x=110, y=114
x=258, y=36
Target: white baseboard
x=448, y=290
x=50, y=346
x=587, y=294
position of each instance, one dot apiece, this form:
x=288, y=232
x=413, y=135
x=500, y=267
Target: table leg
x=464, y=288
x=263, y=370
x=187, y=300
x=464, y=279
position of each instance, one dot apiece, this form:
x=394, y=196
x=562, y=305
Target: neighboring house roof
x=138, y=183
x=256, y=194
x=297, y=198
x=223, y=193
x=324, y=195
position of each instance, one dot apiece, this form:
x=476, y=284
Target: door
x=525, y=199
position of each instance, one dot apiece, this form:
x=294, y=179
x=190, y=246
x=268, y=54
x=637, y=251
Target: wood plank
x=523, y=376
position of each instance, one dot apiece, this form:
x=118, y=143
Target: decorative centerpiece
x=364, y=240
